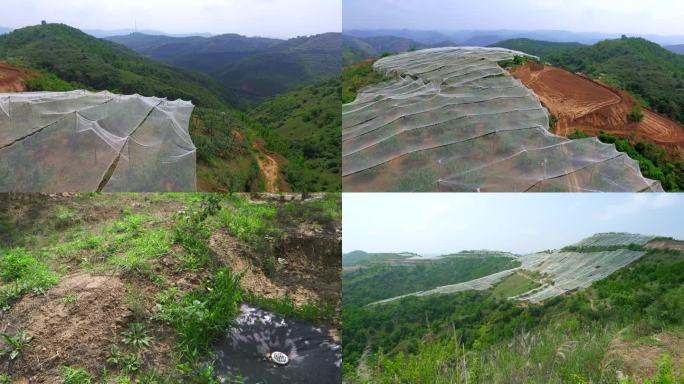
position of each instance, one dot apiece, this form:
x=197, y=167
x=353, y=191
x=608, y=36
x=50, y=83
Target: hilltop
x=71, y=59
x=609, y=293
x=249, y=68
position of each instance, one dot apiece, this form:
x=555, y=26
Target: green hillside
x=649, y=71
x=364, y=258
x=538, y=48
x=83, y=61
x=355, y=49
x=382, y=281
x=480, y=337
x=304, y=126
x=251, y=69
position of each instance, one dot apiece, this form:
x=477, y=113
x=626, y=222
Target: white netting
x=454, y=120
x=85, y=141
x=613, y=239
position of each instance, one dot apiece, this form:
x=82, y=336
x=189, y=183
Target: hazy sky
x=663, y=17
x=272, y=18
x=439, y=223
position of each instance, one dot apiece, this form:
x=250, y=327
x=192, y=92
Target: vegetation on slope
x=477, y=337
x=654, y=162
x=357, y=76
x=86, y=62
x=383, y=281
x=251, y=69
x=304, y=126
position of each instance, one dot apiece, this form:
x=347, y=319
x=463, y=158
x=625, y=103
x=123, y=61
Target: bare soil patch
x=591, y=106
x=76, y=331
x=641, y=356
x=12, y=78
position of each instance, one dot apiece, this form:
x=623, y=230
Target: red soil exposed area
x=590, y=106
x=12, y=78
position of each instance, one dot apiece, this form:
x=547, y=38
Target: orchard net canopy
x=454, y=120
x=85, y=141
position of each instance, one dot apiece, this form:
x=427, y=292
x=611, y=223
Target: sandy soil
x=666, y=244
x=590, y=106
x=12, y=78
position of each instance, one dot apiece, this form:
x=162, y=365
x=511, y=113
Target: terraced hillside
x=560, y=271
x=452, y=119
x=607, y=309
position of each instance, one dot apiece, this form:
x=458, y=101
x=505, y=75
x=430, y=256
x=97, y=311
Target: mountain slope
x=538, y=48
x=249, y=68
x=304, y=126
x=569, y=338
x=85, y=61
x=355, y=49
x=676, y=48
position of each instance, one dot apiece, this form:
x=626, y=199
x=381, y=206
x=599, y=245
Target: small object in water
x=278, y=358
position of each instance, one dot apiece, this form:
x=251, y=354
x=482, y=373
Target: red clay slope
x=587, y=105
x=12, y=78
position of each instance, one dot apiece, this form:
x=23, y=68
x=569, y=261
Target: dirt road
x=269, y=164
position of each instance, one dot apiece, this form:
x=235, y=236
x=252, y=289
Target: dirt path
x=591, y=106
x=269, y=164
x=12, y=78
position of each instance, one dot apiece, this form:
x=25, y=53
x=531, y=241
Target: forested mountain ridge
x=249, y=68
x=82, y=61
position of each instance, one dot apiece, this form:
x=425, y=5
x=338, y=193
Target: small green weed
x=136, y=336
x=77, y=376
x=14, y=344
x=23, y=272
x=70, y=299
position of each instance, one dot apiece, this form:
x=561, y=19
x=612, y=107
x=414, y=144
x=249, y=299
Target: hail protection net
x=85, y=141
x=454, y=120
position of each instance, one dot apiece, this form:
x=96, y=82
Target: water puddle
x=253, y=348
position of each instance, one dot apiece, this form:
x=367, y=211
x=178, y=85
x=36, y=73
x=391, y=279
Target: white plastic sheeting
x=561, y=271
x=85, y=141
x=454, y=120
x=613, y=239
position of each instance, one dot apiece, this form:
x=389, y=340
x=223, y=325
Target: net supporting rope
x=89, y=141
x=454, y=120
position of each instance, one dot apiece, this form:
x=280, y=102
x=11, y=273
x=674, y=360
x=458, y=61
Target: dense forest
x=302, y=125
x=481, y=337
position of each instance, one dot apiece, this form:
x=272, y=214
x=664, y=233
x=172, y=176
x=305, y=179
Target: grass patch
x=22, y=272
x=77, y=376
x=200, y=316
x=248, y=221
x=516, y=284
x=315, y=313
x=357, y=76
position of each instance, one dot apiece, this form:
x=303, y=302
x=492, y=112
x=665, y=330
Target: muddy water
x=313, y=356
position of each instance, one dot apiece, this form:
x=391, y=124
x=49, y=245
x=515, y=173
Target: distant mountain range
x=488, y=37
x=355, y=49
x=4, y=30
x=676, y=48
x=251, y=68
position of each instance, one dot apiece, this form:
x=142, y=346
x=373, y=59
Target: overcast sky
x=663, y=17
x=271, y=18
x=440, y=223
